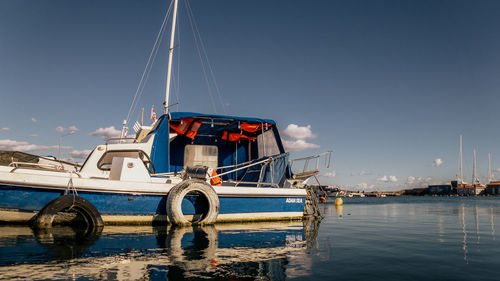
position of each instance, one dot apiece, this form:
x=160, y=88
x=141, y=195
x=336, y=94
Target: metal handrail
x=47, y=166
x=270, y=159
x=328, y=158
x=255, y=183
x=119, y=139
x=37, y=166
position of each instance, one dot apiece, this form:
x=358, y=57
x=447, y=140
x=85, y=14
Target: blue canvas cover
x=169, y=156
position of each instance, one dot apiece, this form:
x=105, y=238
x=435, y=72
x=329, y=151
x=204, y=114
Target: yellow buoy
x=338, y=210
x=338, y=202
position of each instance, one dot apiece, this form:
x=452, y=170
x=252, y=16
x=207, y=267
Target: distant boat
x=493, y=187
x=476, y=188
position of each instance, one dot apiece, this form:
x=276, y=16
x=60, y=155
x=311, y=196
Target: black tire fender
x=177, y=194
x=45, y=217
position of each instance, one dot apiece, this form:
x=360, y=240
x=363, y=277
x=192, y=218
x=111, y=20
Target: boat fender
x=45, y=217
x=177, y=194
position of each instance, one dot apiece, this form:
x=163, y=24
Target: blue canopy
x=180, y=115
x=168, y=156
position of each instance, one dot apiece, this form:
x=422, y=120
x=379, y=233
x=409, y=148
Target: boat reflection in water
x=235, y=251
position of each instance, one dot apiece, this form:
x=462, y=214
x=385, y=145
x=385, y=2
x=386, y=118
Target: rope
x=70, y=187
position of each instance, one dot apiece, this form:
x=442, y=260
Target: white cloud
x=393, y=179
x=61, y=129
x=388, y=179
x=384, y=179
x=419, y=181
x=80, y=154
x=297, y=145
x=33, y=119
x=364, y=186
x=26, y=147
x=410, y=180
x=331, y=174
x=437, y=162
x=5, y=129
x=297, y=132
x=106, y=133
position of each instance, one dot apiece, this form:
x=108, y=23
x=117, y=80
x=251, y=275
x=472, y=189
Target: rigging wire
x=190, y=17
x=177, y=84
x=147, y=69
x=202, y=54
x=199, y=43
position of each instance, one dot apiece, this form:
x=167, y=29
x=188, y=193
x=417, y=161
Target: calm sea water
x=406, y=238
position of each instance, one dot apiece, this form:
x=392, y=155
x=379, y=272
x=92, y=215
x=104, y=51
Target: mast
x=170, y=55
x=490, y=175
x=460, y=176
x=475, y=179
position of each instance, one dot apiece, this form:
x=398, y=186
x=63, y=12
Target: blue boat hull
x=32, y=199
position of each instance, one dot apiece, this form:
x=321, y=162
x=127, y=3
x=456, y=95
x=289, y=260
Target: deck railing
x=311, y=164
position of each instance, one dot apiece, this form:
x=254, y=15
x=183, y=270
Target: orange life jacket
x=252, y=128
x=194, y=129
x=236, y=136
x=182, y=127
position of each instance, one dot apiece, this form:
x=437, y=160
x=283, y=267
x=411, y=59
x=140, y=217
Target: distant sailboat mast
x=460, y=176
x=490, y=174
x=475, y=178
x=170, y=55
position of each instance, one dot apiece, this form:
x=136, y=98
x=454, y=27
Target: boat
x=474, y=189
x=493, y=186
x=187, y=168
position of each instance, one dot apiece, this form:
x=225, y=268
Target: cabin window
x=267, y=145
x=106, y=160
x=204, y=155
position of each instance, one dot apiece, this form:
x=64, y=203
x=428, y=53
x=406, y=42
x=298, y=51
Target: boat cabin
x=239, y=151
x=222, y=143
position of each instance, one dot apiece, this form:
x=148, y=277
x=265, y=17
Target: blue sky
x=387, y=85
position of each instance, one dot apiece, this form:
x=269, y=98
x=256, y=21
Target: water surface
x=410, y=238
